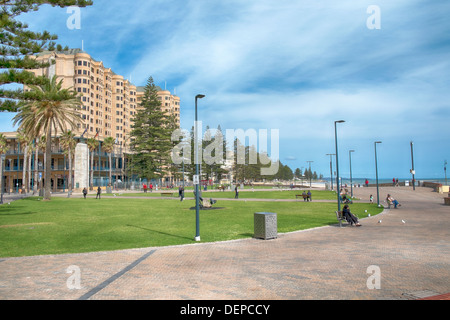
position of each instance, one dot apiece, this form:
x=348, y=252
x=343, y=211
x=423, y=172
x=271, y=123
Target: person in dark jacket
x=350, y=217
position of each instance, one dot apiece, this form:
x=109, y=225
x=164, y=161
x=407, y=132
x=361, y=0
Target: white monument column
x=81, y=166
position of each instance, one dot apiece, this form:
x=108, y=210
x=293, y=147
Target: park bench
x=304, y=196
x=389, y=203
x=170, y=194
x=340, y=217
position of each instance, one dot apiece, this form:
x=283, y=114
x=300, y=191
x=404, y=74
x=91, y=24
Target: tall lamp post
x=3, y=157
x=310, y=173
x=197, y=179
x=412, y=168
x=376, y=172
x=337, y=164
x=331, y=168
x=351, y=180
x=445, y=171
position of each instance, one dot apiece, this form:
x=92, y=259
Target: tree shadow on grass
x=160, y=232
x=9, y=213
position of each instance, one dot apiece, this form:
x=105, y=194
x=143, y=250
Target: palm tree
x=92, y=145
x=50, y=108
x=108, y=146
x=3, y=149
x=68, y=143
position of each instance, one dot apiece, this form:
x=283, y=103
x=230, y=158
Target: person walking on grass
x=99, y=192
x=84, y=192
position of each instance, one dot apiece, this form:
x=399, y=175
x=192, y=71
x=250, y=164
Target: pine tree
x=17, y=43
x=151, y=137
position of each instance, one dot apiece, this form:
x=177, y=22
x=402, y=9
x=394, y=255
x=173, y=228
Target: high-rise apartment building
x=109, y=103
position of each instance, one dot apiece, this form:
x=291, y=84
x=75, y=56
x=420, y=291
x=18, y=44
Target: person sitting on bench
x=390, y=200
x=350, y=217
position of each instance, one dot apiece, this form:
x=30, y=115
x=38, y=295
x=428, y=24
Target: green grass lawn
x=248, y=194
x=74, y=225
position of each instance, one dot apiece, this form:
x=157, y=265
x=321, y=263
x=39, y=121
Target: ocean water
x=384, y=180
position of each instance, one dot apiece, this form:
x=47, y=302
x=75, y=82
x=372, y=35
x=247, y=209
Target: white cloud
x=292, y=65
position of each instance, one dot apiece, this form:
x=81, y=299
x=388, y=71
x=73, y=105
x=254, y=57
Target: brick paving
x=326, y=263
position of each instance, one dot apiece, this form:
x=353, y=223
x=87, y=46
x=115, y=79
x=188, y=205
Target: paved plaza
x=405, y=256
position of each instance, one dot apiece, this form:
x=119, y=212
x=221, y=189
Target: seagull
x=403, y=221
x=379, y=221
x=368, y=215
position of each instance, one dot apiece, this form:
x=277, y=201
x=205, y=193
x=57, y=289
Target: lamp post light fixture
x=331, y=168
x=351, y=180
x=197, y=178
x=376, y=173
x=337, y=163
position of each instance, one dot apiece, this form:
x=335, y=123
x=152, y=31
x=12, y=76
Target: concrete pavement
x=387, y=260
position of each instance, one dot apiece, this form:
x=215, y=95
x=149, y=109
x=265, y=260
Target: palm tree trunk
x=29, y=173
x=48, y=165
x=24, y=172
x=110, y=170
x=70, y=173
x=91, y=182
x=36, y=161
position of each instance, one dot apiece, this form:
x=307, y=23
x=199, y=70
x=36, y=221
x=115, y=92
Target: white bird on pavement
x=379, y=221
x=403, y=221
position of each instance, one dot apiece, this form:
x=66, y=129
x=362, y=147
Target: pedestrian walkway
x=394, y=255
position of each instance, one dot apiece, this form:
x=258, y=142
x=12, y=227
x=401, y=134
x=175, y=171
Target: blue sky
x=296, y=66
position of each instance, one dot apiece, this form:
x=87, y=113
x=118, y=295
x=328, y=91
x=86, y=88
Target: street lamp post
x=197, y=179
x=376, y=173
x=3, y=157
x=331, y=168
x=445, y=171
x=337, y=164
x=310, y=173
x=351, y=180
x=412, y=168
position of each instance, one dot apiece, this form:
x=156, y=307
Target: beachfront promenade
x=412, y=258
